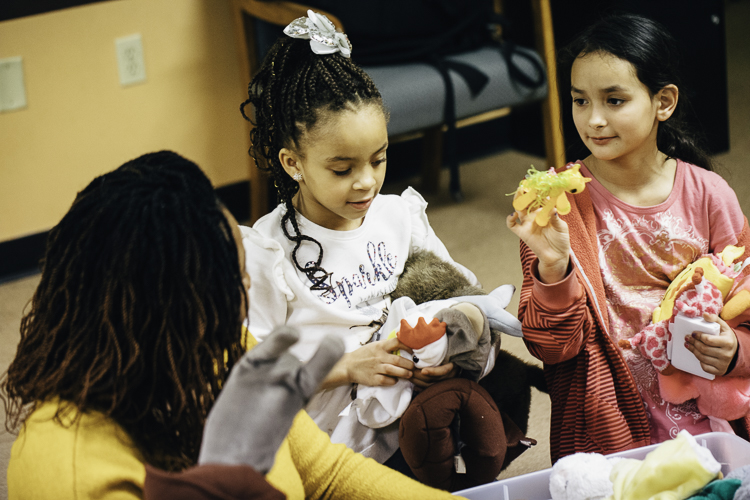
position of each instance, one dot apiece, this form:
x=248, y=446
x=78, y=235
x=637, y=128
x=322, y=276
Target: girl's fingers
x=713, y=345
x=420, y=383
x=709, y=358
x=714, y=359
x=708, y=368
x=709, y=363
x=394, y=344
x=396, y=371
x=512, y=220
x=382, y=380
x=557, y=223
x=399, y=362
x=438, y=371
x=390, y=345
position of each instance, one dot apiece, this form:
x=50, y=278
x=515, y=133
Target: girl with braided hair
x=131, y=335
x=327, y=258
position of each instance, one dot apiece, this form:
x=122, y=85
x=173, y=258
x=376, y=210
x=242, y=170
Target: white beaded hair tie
x=324, y=39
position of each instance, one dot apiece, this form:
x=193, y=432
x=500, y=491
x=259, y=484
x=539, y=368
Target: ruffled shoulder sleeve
x=423, y=237
x=417, y=212
x=269, y=290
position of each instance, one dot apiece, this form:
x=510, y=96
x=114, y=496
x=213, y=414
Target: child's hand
x=427, y=376
x=375, y=364
x=715, y=352
x=551, y=243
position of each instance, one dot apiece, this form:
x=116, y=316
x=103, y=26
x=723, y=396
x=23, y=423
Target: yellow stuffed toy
x=732, y=308
x=674, y=470
x=546, y=189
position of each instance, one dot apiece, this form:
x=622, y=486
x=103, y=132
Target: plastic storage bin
x=731, y=451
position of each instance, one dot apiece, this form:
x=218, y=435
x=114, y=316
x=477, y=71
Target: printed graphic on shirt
x=368, y=278
x=639, y=258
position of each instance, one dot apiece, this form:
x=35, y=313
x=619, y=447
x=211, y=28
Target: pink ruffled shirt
x=641, y=250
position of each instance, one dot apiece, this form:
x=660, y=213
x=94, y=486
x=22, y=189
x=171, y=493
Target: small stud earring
x=297, y=176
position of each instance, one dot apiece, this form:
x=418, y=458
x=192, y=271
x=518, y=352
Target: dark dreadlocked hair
x=653, y=52
x=292, y=90
x=138, y=311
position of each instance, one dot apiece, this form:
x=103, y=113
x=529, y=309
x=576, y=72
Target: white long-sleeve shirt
x=365, y=264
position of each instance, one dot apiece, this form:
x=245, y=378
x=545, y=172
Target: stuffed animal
x=426, y=277
x=437, y=332
x=426, y=335
x=453, y=437
x=547, y=190
x=702, y=287
x=459, y=433
x=675, y=469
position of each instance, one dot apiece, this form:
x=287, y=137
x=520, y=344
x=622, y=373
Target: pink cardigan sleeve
x=741, y=324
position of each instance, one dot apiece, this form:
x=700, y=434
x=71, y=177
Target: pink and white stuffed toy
x=704, y=287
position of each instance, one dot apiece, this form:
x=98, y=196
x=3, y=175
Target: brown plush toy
x=483, y=423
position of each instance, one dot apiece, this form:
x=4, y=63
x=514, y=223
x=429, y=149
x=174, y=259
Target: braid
x=137, y=309
x=291, y=91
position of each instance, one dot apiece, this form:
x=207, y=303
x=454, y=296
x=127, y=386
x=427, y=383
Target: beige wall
x=80, y=122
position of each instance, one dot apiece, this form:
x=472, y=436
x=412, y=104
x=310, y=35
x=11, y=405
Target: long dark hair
x=653, y=52
x=293, y=89
x=137, y=314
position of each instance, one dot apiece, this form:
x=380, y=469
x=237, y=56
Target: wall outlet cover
x=130, y=63
x=12, y=89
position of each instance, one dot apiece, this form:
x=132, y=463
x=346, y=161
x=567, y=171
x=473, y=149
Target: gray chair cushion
x=415, y=93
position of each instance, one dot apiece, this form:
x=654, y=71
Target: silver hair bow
x=324, y=39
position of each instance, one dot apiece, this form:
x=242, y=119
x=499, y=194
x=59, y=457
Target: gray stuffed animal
x=426, y=277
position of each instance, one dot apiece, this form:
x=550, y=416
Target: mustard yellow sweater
x=94, y=458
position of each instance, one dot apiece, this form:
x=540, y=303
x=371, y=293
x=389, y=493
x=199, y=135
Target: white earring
x=297, y=176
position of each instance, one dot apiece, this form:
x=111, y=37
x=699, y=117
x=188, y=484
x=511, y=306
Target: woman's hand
x=427, y=376
x=715, y=352
x=373, y=364
x=550, y=243
x=265, y=390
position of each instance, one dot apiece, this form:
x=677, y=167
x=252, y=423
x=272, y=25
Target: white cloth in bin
x=581, y=476
x=674, y=470
x=743, y=474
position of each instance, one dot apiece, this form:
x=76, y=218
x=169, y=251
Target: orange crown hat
x=422, y=334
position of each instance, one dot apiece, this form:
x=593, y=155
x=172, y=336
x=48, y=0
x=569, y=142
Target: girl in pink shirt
x=657, y=203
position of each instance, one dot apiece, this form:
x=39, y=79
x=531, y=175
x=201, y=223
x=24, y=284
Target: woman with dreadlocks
x=135, y=324
x=327, y=258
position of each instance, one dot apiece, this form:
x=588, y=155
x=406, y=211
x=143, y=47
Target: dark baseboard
x=21, y=257
x=236, y=197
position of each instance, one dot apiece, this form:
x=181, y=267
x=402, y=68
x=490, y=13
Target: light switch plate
x=12, y=89
x=130, y=63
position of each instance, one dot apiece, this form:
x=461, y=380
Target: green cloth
x=721, y=489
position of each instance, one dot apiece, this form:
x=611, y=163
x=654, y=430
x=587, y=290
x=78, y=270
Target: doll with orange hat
x=436, y=332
